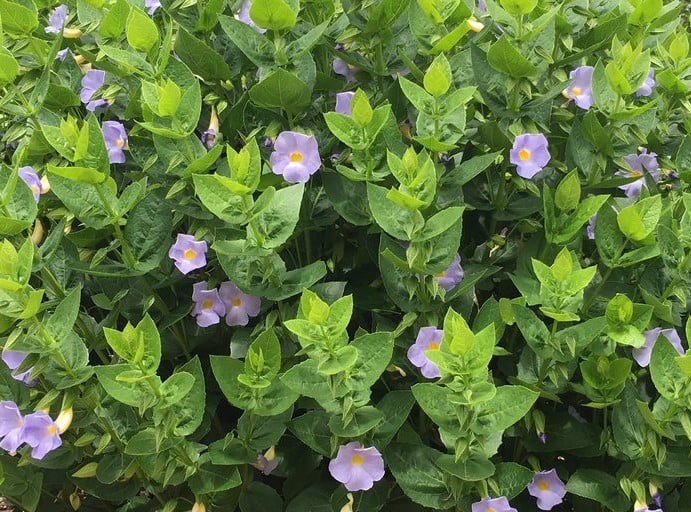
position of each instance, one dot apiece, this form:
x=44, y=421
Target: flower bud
x=37, y=233
x=199, y=507
x=64, y=420
x=270, y=454
x=474, y=24
x=348, y=507
x=71, y=33
x=45, y=185
x=75, y=501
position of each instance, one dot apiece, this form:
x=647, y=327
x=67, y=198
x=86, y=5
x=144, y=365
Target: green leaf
x=201, y=59
x=219, y=200
x=141, y=31
x=619, y=310
x=210, y=478
x=438, y=78
x=596, y=134
x=509, y=405
x=60, y=323
x=80, y=174
x=281, y=89
x=16, y=18
x=420, y=99
x=274, y=225
x=273, y=14
x=135, y=394
x=504, y=57
x=361, y=111
x=396, y=220
x=645, y=12
x=598, y=486
x=639, y=220
x=512, y=478
x=114, y=22
x=176, y=387
x=148, y=230
x=365, y=419
x=603, y=96
x=518, y=7
x=168, y=99
x=668, y=377
x=568, y=193
x=9, y=68
x=476, y=467
x=189, y=411
x=434, y=401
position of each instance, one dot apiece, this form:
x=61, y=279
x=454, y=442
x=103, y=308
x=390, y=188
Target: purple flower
x=268, y=142
x=32, y=180
x=655, y=494
x=57, y=20
x=209, y=138
x=548, y=489
x=188, y=253
x=41, y=433
x=62, y=54
x=11, y=426
x=487, y=504
x=116, y=140
x=590, y=228
x=341, y=67
x=94, y=104
x=244, y=16
x=529, y=154
x=295, y=156
x=267, y=461
x=239, y=306
x=208, y=308
x=638, y=163
x=14, y=360
x=646, y=89
x=542, y=437
x=481, y=7
x=152, y=5
x=343, y=101
x=580, y=89
x=639, y=506
x=642, y=355
x=449, y=278
x=428, y=338
x=91, y=82
x=356, y=467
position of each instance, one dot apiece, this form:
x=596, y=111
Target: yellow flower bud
x=37, y=233
x=474, y=24
x=213, y=120
x=198, y=507
x=393, y=368
x=348, y=507
x=45, y=185
x=64, y=420
x=79, y=59
x=270, y=454
x=71, y=33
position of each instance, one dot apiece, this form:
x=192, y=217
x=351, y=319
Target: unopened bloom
x=14, y=360
x=239, y=306
x=342, y=68
x=590, y=228
x=57, y=20
x=655, y=494
x=449, y=278
x=542, y=437
x=115, y=137
x=548, y=489
x=62, y=54
x=209, y=136
x=32, y=180
x=357, y=467
x=428, y=338
x=640, y=506
x=11, y=426
x=188, y=253
x=152, y=5
x=244, y=16
x=64, y=420
x=529, y=154
x=642, y=354
x=487, y=504
x=99, y=103
x=474, y=24
x=348, y=507
x=639, y=164
x=646, y=89
x=41, y=433
x=580, y=89
x=266, y=462
x=198, y=507
x=208, y=306
x=295, y=156
x=343, y=103
x=91, y=82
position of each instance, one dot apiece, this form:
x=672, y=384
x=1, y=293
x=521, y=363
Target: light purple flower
x=208, y=308
x=639, y=164
x=640, y=506
x=188, y=253
x=267, y=461
x=343, y=101
x=542, y=437
x=487, y=504
x=529, y=154
x=244, y=16
x=94, y=104
x=642, y=354
x=62, y=54
x=580, y=90
x=57, y=19
x=11, y=426
x=295, y=156
x=356, y=467
x=342, y=68
x=32, y=180
x=152, y=5
x=91, y=82
x=428, y=338
x=41, y=433
x=115, y=137
x=590, y=228
x=646, y=89
x=481, y=7
x=548, y=489
x=14, y=360
x=209, y=138
x=449, y=278
x=239, y=306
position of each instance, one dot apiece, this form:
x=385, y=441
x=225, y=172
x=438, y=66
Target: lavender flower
x=209, y=138
x=481, y=7
x=655, y=494
x=357, y=467
x=41, y=433
x=638, y=163
x=295, y=156
x=94, y=104
x=32, y=180
x=449, y=278
x=487, y=504
x=342, y=68
x=208, y=308
x=580, y=89
x=11, y=426
x=548, y=489
x=244, y=16
x=529, y=154
x=188, y=253
x=14, y=360
x=91, y=82
x=646, y=89
x=62, y=54
x=266, y=462
x=639, y=506
x=343, y=103
x=57, y=19
x=152, y=5
x=642, y=354
x=590, y=228
x=428, y=338
x=239, y=306
x=542, y=437
x=116, y=140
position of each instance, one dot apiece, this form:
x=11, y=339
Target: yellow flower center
x=357, y=460
x=524, y=154
x=440, y=274
x=433, y=346
x=120, y=143
x=190, y=254
x=296, y=156
x=35, y=189
x=236, y=302
x=543, y=485
x=636, y=174
x=576, y=91
x=52, y=430
x=490, y=509
x=350, y=66
x=207, y=304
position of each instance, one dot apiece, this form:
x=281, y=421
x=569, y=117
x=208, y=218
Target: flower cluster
x=227, y=300
x=37, y=430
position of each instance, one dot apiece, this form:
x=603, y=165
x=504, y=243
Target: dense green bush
x=392, y=255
